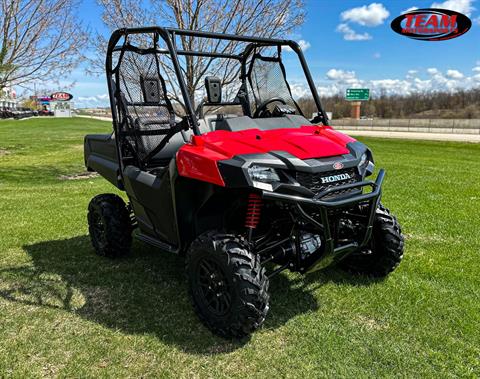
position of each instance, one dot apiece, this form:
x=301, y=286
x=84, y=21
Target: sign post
x=62, y=106
x=356, y=96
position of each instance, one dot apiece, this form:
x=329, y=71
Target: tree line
x=461, y=104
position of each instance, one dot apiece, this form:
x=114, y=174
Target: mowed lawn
x=66, y=312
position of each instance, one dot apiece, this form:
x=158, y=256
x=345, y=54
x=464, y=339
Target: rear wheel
x=385, y=250
x=227, y=284
x=109, y=225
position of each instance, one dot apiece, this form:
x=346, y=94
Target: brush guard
x=331, y=253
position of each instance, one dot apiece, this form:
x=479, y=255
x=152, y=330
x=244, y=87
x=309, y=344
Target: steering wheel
x=262, y=108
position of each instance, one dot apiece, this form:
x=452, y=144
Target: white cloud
x=298, y=90
x=454, y=74
x=391, y=86
x=85, y=99
x=411, y=74
x=350, y=35
x=340, y=75
x=304, y=45
x=326, y=91
x=410, y=9
x=377, y=55
x=99, y=100
x=476, y=20
x=420, y=85
x=430, y=80
x=367, y=15
x=462, y=6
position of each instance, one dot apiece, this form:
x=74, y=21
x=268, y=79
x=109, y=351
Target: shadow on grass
x=143, y=294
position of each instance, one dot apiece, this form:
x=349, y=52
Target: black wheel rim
x=213, y=286
x=98, y=229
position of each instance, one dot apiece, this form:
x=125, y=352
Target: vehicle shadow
x=142, y=294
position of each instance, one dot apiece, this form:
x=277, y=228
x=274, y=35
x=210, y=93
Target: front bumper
x=332, y=253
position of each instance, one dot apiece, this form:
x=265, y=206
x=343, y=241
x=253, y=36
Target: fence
x=465, y=126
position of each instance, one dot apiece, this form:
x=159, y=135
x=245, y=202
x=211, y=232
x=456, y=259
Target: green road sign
x=357, y=94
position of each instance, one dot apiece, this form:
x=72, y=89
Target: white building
x=8, y=98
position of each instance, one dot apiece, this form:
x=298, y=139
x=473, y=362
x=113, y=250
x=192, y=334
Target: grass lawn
x=66, y=312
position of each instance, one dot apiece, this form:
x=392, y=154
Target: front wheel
x=227, y=284
x=385, y=250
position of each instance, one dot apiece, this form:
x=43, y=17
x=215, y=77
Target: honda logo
x=335, y=178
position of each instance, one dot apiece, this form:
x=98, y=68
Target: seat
x=146, y=115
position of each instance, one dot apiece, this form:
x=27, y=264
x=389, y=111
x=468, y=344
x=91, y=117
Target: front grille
x=314, y=181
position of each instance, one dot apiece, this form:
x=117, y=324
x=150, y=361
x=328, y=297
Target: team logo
x=338, y=165
x=431, y=24
x=61, y=96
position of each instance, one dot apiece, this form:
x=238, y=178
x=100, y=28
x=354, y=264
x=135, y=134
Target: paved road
x=95, y=117
x=474, y=138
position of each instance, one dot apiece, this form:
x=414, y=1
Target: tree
x=29, y=103
x=39, y=39
x=267, y=18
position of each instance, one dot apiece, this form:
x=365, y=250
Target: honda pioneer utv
x=242, y=196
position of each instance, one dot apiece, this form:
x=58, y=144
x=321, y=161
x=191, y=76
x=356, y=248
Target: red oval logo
x=338, y=165
x=61, y=96
x=431, y=24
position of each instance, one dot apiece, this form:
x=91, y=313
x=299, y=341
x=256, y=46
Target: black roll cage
x=169, y=34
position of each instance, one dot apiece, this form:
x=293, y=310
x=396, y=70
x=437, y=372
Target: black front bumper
x=332, y=254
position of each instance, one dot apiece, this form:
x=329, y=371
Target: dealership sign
x=61, y=96
x=431, y=24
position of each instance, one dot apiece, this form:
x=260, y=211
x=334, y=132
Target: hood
x=199, y=159
x=304, y=142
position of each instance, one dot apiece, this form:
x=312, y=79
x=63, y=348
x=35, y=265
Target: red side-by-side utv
x=244, y=195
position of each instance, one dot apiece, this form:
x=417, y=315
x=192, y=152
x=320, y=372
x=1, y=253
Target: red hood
x=198, y=158
x=304, y=142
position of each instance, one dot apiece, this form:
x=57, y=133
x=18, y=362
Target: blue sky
x=349, y=43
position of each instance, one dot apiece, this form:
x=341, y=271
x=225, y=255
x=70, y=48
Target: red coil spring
x=254, y=208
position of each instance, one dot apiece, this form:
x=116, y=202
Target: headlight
x=263, y=174
x=363, y=160
x=263, y=177
x=366, y=164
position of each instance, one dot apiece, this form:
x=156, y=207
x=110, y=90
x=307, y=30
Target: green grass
x=66, y=312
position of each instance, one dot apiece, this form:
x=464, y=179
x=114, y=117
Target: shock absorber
x=252, y=218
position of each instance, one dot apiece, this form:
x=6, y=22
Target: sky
x=349, y=43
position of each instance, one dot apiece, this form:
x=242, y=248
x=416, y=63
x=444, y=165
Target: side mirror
x=213, y=86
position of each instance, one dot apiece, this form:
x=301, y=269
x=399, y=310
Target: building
x=8, y=98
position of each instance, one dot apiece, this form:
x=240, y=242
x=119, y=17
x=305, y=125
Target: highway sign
x=357, y=94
